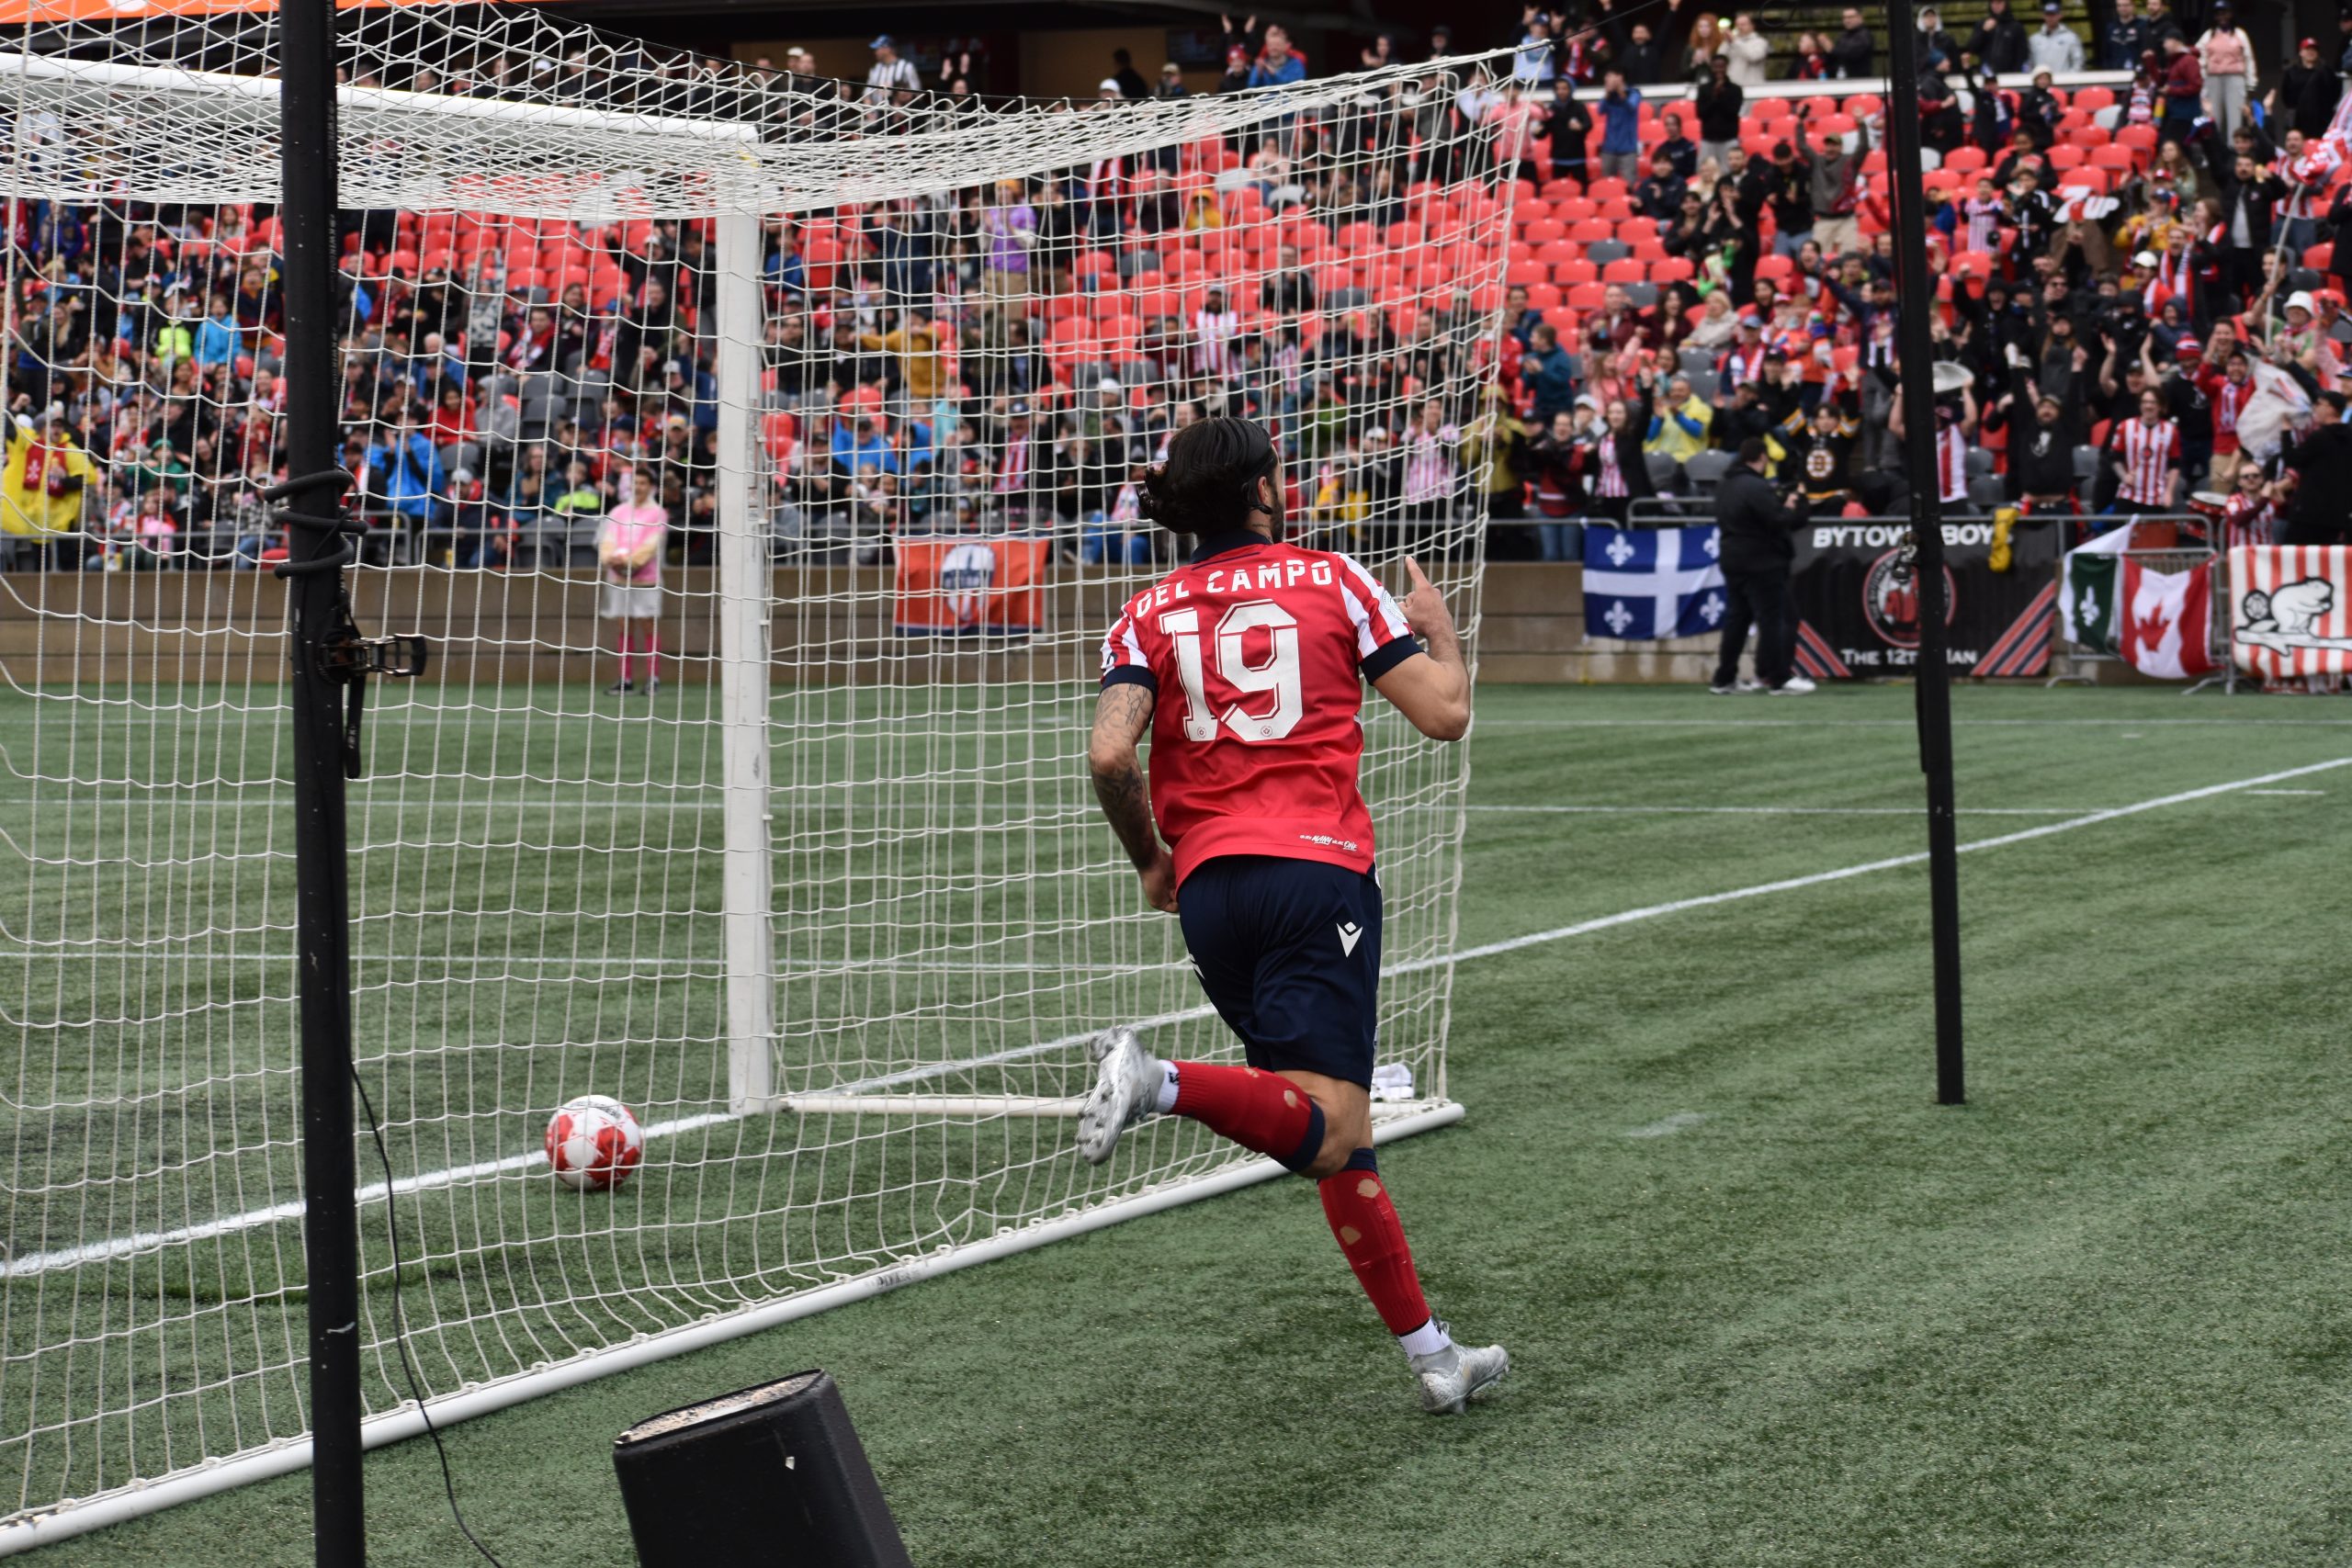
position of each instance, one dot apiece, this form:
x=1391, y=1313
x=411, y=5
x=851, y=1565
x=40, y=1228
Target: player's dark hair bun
x=1206, y=484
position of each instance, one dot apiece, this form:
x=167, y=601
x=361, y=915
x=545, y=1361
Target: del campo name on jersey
x=1235, y=580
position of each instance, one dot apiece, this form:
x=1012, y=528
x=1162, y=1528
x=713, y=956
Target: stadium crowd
x=2121, y=271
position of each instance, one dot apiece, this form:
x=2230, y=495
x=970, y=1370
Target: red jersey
x=1258, y=653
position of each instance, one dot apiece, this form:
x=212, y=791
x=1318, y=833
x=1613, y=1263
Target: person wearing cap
x=890, y=73
x=2307, y=92
x=2226, y=56
x=2055, y=46
x=1172, y=82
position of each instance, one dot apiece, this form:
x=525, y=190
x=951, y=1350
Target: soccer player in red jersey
x=1246, y=668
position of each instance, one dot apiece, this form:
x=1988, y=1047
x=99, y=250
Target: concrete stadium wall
x=832, y=623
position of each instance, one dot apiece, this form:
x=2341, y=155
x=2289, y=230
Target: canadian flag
x=2167, y=621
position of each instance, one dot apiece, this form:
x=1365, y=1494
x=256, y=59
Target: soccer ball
x=593, y=1142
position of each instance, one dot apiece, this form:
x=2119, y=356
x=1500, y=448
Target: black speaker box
x=768, y=1477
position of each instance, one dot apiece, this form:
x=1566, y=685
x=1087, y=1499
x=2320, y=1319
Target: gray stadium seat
x=1698, y=362
x=1642, y=294
x=1600, y=252
x=1663, y=470
x=1706, y=468
x=1987, y=490
x=1980, y=462
x=2086, y=462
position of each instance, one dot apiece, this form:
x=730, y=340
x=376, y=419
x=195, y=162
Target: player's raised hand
x=1424, y=606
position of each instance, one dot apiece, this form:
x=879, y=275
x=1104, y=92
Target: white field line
x=1668, y=1126
x=120, y=1246
x=2286, y=792
x=1815, y=811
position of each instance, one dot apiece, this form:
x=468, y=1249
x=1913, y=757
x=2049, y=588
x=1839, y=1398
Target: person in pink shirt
x=628, y=547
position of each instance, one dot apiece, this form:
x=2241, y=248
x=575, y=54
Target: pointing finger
x=1413, y=570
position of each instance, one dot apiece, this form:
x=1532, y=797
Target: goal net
x=830, y=908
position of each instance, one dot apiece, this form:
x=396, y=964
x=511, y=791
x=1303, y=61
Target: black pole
x=314, y=616
x=1914, y=297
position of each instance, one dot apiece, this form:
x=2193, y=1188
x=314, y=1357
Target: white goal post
x=833, y=909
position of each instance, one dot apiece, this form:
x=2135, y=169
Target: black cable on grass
x=399, y=1324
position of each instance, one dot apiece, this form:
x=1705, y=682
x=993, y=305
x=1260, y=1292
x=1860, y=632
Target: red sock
x=629, y=662
x=653, y=652
x=1258, y=1110
x=1356, y=1203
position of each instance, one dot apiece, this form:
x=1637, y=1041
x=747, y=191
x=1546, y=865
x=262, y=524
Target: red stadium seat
x=1614, y=210
x=2064, y=156
x=2138, y=137
x=1608, y=190
x=2087, y=178
x=1544, y=296
x=1592, y=231
x=1576, y=209
x=1964, y=160
x=1672, y=269
x=1558, y=253
x=1543, y=232
x=1588, y=296
x=1625, y=270
x=1568, y=274
x=2089, y=99
x=2112, y=156
x=2319, y=257
x=1557, y=191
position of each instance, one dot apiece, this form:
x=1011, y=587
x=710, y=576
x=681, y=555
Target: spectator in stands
x=1568, y=125
x=2126, y=39
x=1678, y=430
x=2184, y=89
x=1855, y=50
x=1812, y=63
x=2055, y=47
x=1718, y=101
x=2307, y=92
x=1277, y=65
x=2225, y=56
x=1938, y=52
x=1659, y=197
x=890, y=73
x=1238, y=68
x=2000, y=39
x=1616, y=469
x=2045, y=457
x=1555, y=458
x=1130, y=81
x=1534, y=63
x=1747, y=50
x=1621, y=137
x=1547, y=371
x=1706, y=43
x=1834, y=189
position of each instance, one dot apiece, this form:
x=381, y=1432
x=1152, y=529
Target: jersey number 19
x=1279, y=674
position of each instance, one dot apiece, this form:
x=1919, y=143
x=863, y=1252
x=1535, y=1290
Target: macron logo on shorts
x=1350, y=934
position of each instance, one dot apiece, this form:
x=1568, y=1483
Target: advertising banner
x=2291, y=610
x=967, y=587
x=1859, y=615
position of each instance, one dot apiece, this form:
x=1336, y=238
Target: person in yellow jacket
x=1678, y=429
x=42, y=483
x=916, y=346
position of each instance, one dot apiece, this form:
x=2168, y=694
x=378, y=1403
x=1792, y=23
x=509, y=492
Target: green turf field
x=1766, y=1303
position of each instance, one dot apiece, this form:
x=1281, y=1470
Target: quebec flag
x=1653, y=582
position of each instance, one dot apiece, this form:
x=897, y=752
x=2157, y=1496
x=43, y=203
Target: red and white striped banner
x=2291, y=610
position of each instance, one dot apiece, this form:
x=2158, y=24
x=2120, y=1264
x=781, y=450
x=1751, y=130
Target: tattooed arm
x=1121, y=715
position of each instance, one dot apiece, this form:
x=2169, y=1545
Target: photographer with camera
x=1755, y=523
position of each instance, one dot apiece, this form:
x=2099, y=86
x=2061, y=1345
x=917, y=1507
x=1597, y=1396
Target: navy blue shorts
x=1289, y=952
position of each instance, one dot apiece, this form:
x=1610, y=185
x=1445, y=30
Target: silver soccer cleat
x=1452, y=1377
x=1126, y=1088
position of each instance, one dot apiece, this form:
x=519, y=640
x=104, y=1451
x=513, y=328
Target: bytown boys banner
x=1857, y=615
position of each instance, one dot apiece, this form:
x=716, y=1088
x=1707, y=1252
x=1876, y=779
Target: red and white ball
x=593, y=1142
